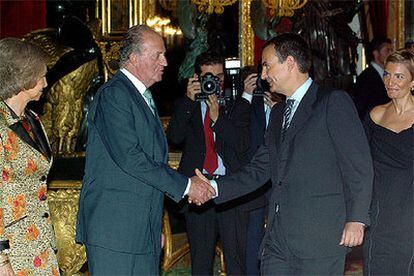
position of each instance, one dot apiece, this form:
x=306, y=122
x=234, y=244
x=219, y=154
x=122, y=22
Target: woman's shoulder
x=378, y=112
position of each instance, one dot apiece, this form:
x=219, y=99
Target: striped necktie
x=287, y=114
x=150, y=101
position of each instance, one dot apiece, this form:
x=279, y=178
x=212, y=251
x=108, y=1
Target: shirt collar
x=301, y=91
x=378, y=69
x=137, y=83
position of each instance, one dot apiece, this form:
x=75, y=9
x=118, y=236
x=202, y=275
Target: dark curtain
x=378, y=12
x=17, y=18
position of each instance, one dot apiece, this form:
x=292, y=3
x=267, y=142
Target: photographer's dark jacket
x=231, y=134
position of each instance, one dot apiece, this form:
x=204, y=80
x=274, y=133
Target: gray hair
x=132, y=42
x=21, y=66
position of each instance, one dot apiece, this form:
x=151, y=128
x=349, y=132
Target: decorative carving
x=280, y=8
x=63, y=109
x=211, y=6
x=246, y=35
x=64, y=207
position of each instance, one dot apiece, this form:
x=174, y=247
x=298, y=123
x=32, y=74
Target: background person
x=389, y=244
x=27, y=241
x=369, y=89
x=216, y=139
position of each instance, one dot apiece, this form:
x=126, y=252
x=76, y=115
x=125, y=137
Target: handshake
x=200, y=190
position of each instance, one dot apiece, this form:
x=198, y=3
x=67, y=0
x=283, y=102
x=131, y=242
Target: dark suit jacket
x=369, y=91
x=126, y=174
x=321, y=174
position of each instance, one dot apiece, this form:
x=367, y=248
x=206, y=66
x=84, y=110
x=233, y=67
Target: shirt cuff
x=213, y=184
x=187, y=189
x=247, y=97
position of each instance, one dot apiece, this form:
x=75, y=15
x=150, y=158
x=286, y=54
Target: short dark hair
x=291, y=44
x=207, y=58
x=409, y=44
x=377, y=43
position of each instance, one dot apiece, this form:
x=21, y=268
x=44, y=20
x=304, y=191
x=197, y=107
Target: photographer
x=215, y=139
x=261, y=103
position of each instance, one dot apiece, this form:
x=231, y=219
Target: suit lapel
x=140, y=101
x=276, y=119
x=259, y=113
x=303, y=112
x=39, y=134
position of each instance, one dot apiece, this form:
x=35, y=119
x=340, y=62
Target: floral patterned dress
x=24, y=211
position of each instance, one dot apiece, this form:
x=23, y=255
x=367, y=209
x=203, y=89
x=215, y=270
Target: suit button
x=280, y=183
x=43, y=178
x=45, y=215
x=277, y=208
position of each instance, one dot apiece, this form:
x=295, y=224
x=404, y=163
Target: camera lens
x=209, y=84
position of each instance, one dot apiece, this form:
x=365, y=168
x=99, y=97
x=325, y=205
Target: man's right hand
x=193, y=87
x=200, y=190
x=250, y=83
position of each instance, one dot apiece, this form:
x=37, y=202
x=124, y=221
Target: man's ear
x=291, y=63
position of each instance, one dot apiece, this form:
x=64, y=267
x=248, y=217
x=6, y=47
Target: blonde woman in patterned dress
x=27, y=244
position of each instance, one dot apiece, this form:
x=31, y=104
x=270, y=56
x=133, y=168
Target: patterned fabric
x=287, y=116
x=24, y=211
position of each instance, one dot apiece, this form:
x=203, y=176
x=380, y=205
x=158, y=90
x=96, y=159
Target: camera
x=232, y=82
x=261, y=85
x=210, y=84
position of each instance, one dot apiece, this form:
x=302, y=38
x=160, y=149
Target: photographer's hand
x=250, y=83
x=213, y=106
x=193, y=87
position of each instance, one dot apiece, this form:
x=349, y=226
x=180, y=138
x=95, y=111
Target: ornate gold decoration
x=211, y=6
x=169, y=5
x=64, y=106
x=110, y=55
x=279, y=8
x=119, y=15
x=246, y=35
x=46, y=39
x=63, y=208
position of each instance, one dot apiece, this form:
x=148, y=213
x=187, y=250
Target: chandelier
x=280, y=8
x=211, y=6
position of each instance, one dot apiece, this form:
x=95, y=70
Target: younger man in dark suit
x=369, y=89
x=317, y=156
x=216, y=140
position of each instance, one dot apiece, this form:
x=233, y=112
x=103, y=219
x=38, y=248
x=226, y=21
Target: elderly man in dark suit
x=317, y=156
x=369, y=89
x=127, y=174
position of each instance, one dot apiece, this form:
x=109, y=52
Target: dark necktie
x=211, y=160
x=287, y=114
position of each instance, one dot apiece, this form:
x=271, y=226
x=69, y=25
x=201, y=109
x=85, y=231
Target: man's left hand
x=353, y=234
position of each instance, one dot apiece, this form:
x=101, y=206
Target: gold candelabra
x=211, y=6
x=279, y=8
